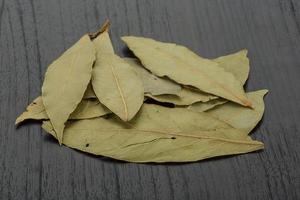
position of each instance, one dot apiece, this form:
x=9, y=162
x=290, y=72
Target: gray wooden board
x=35, y=32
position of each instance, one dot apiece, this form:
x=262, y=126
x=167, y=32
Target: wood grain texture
x=35, y=32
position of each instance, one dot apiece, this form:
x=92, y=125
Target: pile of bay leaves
x=166, y=105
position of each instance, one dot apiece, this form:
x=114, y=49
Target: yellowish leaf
x=103, y=43
x=65, y=82
x=236, y=64
x=240, y=117
x=185, y=67
x=157, y=134
x=116, y=85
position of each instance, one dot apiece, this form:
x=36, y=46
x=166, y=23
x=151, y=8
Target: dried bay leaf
x=87, y=108
x=89, y=81
x=240, y=117
x=185, y=97
x=34, y=110
x=158, y=134
x=116, y=85
x=236, y=63
x=65, y=82
x=152, y=84
x=103, y=43
x=185, y=67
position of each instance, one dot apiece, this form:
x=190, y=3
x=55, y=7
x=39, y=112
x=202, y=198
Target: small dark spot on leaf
x=173, y=138
x=33, y=103
x=87, y=145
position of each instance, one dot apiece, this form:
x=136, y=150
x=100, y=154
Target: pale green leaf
x=65, y=82
x=240, y=117
x=116, y=85
x=157, y=134
x=185, y=67
x=152, y=84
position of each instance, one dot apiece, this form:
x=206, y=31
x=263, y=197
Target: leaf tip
x=261, y=145
x=19, y=120
x=125, y=38
x=104, y=28
x=125, y=117
x=244, y=52
x=265, y=92
x=60, y=140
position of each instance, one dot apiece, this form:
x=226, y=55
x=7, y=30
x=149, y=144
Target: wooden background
x=35, y=32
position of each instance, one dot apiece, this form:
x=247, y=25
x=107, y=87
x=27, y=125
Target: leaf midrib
x=175, y=133
x=116, y=78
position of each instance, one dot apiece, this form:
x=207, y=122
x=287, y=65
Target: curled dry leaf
x=87, y=108
x=239, y=117
x=185, y=67
x=152, y=84
x=157, y=134
x=72, y=69
x=115, y=84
